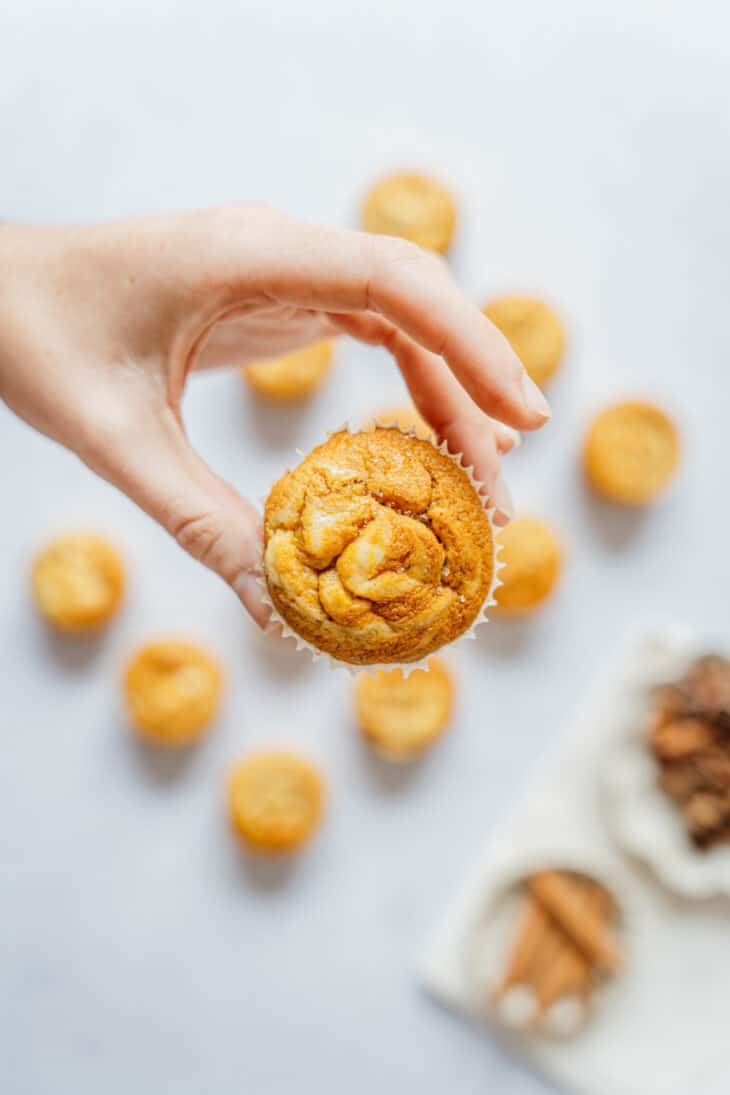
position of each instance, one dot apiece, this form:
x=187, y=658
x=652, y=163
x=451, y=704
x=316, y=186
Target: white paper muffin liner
x=287, y=632
x=644, y=820
x=492, y=937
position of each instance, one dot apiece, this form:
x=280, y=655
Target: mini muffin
x=78, y=582
x=377, y=548
x=402, y=716
x=275, y=801
x=173, y=692
x=412, y=206
x=406, y=418
x=631, y=453
x=533, y=560
x=533, y=330
x=294, y=376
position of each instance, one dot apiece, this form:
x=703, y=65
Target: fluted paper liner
x=492, y=939
x=287, y=632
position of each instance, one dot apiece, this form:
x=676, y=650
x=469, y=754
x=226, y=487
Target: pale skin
x=101, y=326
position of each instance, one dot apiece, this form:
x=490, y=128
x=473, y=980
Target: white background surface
x=589, y=147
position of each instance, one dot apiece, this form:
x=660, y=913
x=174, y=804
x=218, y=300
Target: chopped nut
x=704, y=813
x=690, y=737
x=681, y=738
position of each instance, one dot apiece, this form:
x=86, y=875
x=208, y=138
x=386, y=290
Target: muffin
x=173, y=692
x=78, y=582
x=412, y=206
x=275, y=801
x=406, y=418
x=533, y=330
x=631, y=453
x=532, y=560
x=399, y=716
x=293, y=376
x=377, y=548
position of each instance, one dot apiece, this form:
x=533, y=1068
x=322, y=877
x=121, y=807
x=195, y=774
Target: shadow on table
x=265, y=873
x=274, y=425
x=616, y=526
x=277, y=657
x=161, y=764
x=392, y=776
x=73, y=653
x=506, y=636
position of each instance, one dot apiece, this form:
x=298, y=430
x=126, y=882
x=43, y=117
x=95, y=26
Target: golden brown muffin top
x=532, y=558
x=292, y=376
x=402, y=716
x=275, y=800
x=377, y=548
x=78, y=582
x=631, y=452
x=533, y=330
x=173, y=691
x=412, y=206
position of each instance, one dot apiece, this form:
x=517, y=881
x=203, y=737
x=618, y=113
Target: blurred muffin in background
x=533, y=560
x=78, y=582
x=172, y=691
x=631, y=452
x=533, y=330
x=399, y=716
x=293, y=376
x=275, y=800
x=406, y=418
x=413, y=206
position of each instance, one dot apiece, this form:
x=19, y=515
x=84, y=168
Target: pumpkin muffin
x=275, y=801
x=173, y=692
x=377, y=548
x=401, y=716
x=78, y=582
x=293, y=376
x=533, y=331
x=631, y=452
x=532, y=560
x=412, y=206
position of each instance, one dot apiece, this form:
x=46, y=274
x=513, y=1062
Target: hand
x=100, y=327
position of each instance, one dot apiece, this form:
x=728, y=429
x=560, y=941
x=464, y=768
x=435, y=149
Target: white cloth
x=660, y=1027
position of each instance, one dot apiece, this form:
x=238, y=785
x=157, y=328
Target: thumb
x=160, y=471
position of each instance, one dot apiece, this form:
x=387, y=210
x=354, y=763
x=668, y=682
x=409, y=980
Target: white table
x=589, y=149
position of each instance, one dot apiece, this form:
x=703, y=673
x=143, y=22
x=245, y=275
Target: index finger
x=340, y=270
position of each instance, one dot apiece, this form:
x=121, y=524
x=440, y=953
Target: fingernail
x=511, y=438
x=501, y=499
x=535, y=400
x=251, y=595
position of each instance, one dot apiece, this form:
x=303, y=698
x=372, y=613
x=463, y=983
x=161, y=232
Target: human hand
x=100, y=327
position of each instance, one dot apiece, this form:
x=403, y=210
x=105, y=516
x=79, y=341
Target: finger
x=159, y=471
x=264, y=334
x=444, y=404
x=345, y=271
x=507, y=439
